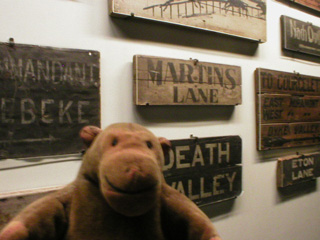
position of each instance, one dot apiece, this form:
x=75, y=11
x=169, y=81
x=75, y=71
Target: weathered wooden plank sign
x=295, y=169
x=47, y=96
x=166, y=81
x=206, y=170
x=312, y=4
x=300, y=36
x=246, y=19
x=281, y=108
x=287, y=109
x=11, y=204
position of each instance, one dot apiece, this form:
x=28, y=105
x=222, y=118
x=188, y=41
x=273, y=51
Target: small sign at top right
x=298, y=36
x=312, y=4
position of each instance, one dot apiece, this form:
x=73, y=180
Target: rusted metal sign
x=47, y=96
x=246, y=19
x=300, y=36
x=295, y=169
x=287, y=109
x=166, y=81
x=206, y=170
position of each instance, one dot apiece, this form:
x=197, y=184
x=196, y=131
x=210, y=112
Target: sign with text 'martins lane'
x=206, y=170
x=300, y=36
x=295, y=169
x=166, y=81
x=287, y=109
x=47, y=96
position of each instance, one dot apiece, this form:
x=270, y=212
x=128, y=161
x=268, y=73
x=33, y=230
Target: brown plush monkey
x=119, y=194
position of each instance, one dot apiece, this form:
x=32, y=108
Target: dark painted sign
x=47, y=96
x=167, y=81
x=296, y=169
x=287, y=109
x=206, y=170
x=300, y=36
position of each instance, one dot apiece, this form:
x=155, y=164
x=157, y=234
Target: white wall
x=261, y=212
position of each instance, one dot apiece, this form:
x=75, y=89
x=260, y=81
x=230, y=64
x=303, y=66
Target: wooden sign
x=246, y=19
x=300, y=36
x=47, y=96
x=206, y=170
x=292, y=170
x=288, y=109
x=166, y=81
x=312, y=4
x=11, y=204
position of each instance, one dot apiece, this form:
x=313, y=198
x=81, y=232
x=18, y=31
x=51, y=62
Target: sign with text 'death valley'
x=47, y=96
x=166, y=81
x=287, y=109
x=206, y=170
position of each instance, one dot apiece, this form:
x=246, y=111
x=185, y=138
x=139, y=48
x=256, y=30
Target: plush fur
x=119, y=194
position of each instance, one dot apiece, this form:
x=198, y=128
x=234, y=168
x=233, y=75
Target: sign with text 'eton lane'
x=295, y=169
x=206, y=170
x=287, y=109
x=166, y=81
x=47, y=95
x=300, y=36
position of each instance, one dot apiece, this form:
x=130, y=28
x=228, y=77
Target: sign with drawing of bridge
x=47, y=96
x=242, y=18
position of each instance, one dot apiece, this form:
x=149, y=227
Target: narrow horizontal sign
x=286, y=135
x=271, y=81
x=165, y=81
x=243, y=19
x=312, y=4
x=206, y=187
x=300, y=36
x=296, y=169
x=279, y=108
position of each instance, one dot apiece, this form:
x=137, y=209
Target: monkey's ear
x=165, y=144
x=88, y=134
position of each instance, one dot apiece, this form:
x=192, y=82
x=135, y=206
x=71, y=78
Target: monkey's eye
x=114, y=142
x=149, y=144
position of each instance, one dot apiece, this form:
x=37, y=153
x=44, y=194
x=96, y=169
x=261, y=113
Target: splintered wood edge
x=289, y=157
x=29, y=192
